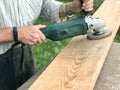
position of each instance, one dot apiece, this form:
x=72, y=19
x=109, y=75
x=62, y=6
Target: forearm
x=68, y=9
x=29, y=35
x=6, y=35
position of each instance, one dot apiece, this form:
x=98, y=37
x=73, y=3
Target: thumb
x=41, y=26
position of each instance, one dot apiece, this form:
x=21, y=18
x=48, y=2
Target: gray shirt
x=25, y=12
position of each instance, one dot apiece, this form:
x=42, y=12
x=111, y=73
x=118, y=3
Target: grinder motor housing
x=74, y=27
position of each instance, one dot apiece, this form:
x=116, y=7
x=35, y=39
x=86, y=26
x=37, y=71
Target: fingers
x=31, y=35
x=39, y=37
x=88, y=5
x=36, y=39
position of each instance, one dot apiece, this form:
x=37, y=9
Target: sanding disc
x=98, y=35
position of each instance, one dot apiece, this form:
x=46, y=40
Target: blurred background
x=48, y=50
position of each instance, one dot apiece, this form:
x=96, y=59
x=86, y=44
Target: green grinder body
x=67, y=29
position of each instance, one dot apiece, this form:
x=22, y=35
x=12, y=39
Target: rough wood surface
x=109, y=78
x=77, y=67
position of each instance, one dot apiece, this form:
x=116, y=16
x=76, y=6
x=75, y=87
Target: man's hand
x=76, y=7
x=87, y=5
x=31, y=35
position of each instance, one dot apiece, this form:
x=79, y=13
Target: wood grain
x=78, y=65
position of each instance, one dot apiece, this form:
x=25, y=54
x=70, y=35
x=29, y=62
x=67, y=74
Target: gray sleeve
x=50, y=10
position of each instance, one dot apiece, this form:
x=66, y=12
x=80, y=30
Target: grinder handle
x=46, y=31
x=43, y=30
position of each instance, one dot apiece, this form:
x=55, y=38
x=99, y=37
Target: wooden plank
x=77, y=67
x=109, y=78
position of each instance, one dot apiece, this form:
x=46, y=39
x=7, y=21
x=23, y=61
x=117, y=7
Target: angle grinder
x=96, y=31
x=93, y=27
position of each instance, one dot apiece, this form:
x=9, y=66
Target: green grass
x=47, y=51
x=117, y=38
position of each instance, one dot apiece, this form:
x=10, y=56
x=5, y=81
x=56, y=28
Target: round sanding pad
x=98, y=35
